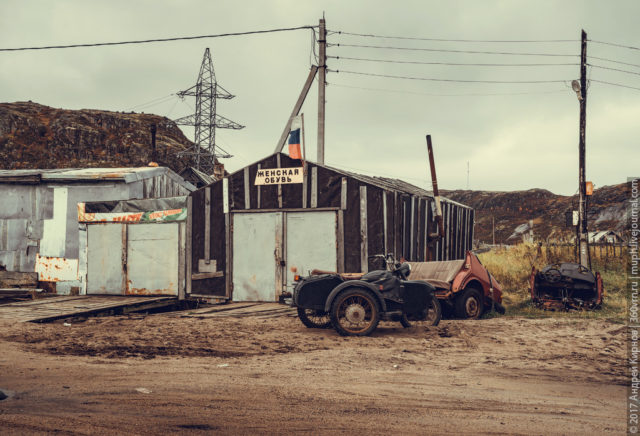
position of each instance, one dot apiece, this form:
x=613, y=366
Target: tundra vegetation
x=511, y=266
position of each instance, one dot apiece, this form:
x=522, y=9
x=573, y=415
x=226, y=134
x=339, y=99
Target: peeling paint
x=56, y=269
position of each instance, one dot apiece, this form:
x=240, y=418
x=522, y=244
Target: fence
x=605, y=255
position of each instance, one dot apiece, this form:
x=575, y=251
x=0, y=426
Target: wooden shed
x=246, y=232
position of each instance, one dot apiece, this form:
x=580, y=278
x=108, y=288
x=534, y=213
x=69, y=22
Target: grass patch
x=512, y=265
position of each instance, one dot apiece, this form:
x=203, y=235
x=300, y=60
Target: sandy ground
x=162, y=373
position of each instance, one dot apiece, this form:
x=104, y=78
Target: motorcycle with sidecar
x=354, y=304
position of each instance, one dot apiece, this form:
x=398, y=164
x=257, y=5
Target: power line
x=153, y=102
x=146, y=41
x=614, y=44
x=454, y=51
x=614, y=84
x=454, y=40
x=614, y=69
x=444, y=80
x=615, y=62
x=472, y=94
x=453, y=63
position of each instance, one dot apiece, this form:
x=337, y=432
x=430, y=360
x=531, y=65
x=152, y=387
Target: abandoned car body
x=464, y=286
x=566, y=286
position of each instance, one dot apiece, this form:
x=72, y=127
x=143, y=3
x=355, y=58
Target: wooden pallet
x=63, y=307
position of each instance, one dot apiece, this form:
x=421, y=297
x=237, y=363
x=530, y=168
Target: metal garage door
x=104, y=258
x=262, y=258
x=311, y=242
x=152, y=259
x=257, y=242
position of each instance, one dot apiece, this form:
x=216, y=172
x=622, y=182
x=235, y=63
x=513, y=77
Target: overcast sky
x=512, y=136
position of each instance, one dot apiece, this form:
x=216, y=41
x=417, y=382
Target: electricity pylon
x=205, y=151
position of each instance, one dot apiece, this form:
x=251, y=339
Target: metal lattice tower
x=205, y=120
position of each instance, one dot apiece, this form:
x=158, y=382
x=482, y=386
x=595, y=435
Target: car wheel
x=469, y=304
x=355, y=312
x=314, y=319
x=431, y=317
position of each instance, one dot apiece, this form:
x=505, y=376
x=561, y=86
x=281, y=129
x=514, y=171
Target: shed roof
x=125, y=175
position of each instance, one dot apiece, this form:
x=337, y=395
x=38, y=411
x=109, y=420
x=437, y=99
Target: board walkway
x=63, y=307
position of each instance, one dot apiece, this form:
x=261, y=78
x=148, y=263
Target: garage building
x=246, y=232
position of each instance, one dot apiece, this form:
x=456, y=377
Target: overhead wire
x=432, y=79
x=456, y=40
x=441, y=50
x=615, y=84
x=471, y=94
x=147, y=41
x=615, y=62
x=614, y=44
x=455, y=63
x=614, y=69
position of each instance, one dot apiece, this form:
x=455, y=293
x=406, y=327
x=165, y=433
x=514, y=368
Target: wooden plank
x=411, y=226
x=206, y=275
x=207, y=223
x=181, y=260
x=340, y=241
x=305, y=183
x=364, y=242
x=247, y=189
x=314, y=187
x=343, y=194
x=188, y=242
x=384, y=219
x=12, y=279
x=278, y=161
x=228, y=254
x=259, y=188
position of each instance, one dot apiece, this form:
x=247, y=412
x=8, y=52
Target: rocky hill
x=37, y=136
x=512, y=212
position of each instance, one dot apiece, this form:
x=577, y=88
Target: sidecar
x=355, y=303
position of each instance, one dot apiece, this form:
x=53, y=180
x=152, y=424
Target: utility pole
x=322, y=71
x=583, y=242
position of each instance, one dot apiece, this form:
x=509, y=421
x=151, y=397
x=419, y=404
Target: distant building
x=605, y=237
x=38, y=213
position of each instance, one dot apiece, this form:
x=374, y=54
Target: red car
x=464, y=285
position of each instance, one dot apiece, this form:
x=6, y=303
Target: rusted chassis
x=566, y=300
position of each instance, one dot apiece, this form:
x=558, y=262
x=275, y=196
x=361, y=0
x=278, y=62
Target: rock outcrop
x=37, y=136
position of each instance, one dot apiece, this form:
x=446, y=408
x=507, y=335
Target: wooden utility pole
x=583, y=249
x=322, y=67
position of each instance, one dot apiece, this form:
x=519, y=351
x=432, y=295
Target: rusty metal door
x=152, y=259
x=257, y=255
x=311, y=243
x=104, y=258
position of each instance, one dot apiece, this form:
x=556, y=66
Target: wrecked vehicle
x=464, y=286
x=566, y=286
x=354, y=304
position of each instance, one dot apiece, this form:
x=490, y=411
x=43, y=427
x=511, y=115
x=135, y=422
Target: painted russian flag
x=294, y=144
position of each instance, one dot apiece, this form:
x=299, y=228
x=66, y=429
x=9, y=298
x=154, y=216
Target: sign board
x=279, y=176
x=576, y=217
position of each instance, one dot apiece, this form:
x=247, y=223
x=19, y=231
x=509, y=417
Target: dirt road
x=164, y=374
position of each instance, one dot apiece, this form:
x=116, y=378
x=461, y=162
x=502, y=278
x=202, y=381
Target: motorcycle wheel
x=314, y=319
x=432, y=318
x=355, y=312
